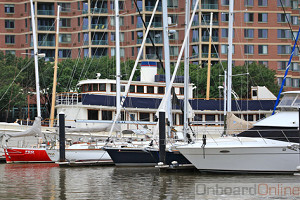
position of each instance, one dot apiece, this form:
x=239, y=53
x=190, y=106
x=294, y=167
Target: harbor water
x=49, y=181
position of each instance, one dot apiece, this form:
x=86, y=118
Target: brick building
x=261, y=30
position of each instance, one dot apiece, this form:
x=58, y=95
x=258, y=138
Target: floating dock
x=2, y=159
x=85, y=163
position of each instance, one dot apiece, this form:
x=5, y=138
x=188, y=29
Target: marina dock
x=85, y=163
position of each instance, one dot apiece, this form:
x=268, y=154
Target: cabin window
x=260, y=116
x=145, y=117
x=123, y=116
x=102, y=87
x=161, y=90
x=122, y=88
x=150, y=89
x=140, y=89
x=106, y=115
x=181, y=91
x=113, y=87
x=180, y=119
x=210, y=117
x=297, y=102
x=93, y=114
x=132, y=89
x=85, y=88
x=248, y=117
x=90, y=87
x=95, y=87
x=198, y=117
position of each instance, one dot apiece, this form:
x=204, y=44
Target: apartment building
x=261, y=31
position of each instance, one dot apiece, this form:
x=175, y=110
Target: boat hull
x=14, y=155
x=247, y=159
x=142, y=157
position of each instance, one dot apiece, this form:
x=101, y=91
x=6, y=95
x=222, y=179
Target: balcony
x=195, y=39
x=45, y=28
x=205, y=38
x=206, y=23
x=85, y=27
x=209, y=6
x=150, y=8
x=155, y=40
x=195, y=23
x=85, y=11
x=45, y=12
x=99, y=10
x=47, y=43
x=98, y=26
x=99, y=42
x=86, y=42
x=153, y=56
x=213, y=55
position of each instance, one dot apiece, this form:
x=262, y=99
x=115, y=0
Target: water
x=48, y=181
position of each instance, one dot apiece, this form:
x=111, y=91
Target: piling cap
x=61, y=113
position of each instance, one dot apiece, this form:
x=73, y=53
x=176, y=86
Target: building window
x=265, y=63
x=249, y=33
x=9, y=8
x=295, y=67
x=263, y=3
x=132, y=51
x=281, y=65
x=78, y=37
x=263, y=33
x=248, y=17
x=224, y=33
x=295, y=82
x=9, y=39
x=26, y=25
x=224, y=17
x=248, y=2
x=132, y=35
x=132, y=20
x=78, y=21
x=283, y=34
x=12, y=52
x=173, y=3
x=78, y=5
x=25, y=7
x=249, y=49
x=26, y=38
x=224, y=49
x=173, y=36
x=173, y=51
x=225, y=2
x=9, y=23
x=285, y=3
x=283, y=18
x=64, y=38
x=121, y=5
x=283, y=49
x=263, y=17
x=65, y=7
x=65, y=23
x=295, y=20
x=294, y=4
x=263, y=49
x=64, y=53
x=112, y=21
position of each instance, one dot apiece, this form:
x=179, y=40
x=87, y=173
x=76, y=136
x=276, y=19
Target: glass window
x=102, y=87
x=65, y=22
x=283, y=18
x=296, y=84
x=106, y=115
x=9, y=39
x=161, y=90
x=198, y=117
x=295, y=20
x=9, y=8
x=9, y=24
x=140, y=89
x=249, y=33
x=65, y=7
x=248, y=17
x=13, y=52
x=93, y=114
x=281, y=65
x=64, y=53
x=249, y=49
x=283, y=34
x=145, y=117
x=172, y=3
x=262, y=17
x=95, y=87
x=132, y=89
x=295, y=67
x=210, y=118
x=225, y=2
x=284, y=49
x=262, y=2
x=285, y=3
x=64, y=38
x=224, y=49
x=262, y=49
x=263, y=33
x=173, y=51
x=224, y=17
x=113, y=87
x=265, y=63
x=150, y=89
x=248, y=2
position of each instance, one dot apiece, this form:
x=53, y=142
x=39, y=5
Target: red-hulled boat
x=14, y=155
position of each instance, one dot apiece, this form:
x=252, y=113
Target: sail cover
x=236, y=125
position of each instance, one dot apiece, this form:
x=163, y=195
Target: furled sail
x=236, y=125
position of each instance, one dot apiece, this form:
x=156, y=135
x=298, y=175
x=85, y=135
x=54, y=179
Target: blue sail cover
x=196, y=104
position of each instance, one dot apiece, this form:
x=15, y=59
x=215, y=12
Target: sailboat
x=271, y=146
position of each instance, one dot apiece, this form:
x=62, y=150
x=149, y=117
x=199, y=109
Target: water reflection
x=48, y=181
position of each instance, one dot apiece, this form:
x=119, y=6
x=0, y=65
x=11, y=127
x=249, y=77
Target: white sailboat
x=272, y=146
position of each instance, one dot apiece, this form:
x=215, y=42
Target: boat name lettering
x=29, y=152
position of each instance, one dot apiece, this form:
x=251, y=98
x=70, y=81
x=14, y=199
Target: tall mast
x=186, y=69
x=230, y=33
x=209, y=58
x=167, y=58
x=55, y=69
x=118, y=73
x=37, y=81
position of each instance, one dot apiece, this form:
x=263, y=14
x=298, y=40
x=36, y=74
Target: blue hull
x=142, y=157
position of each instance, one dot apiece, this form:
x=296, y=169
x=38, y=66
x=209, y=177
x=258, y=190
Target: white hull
x=251, y=155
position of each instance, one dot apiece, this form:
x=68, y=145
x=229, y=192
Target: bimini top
x=290, y=100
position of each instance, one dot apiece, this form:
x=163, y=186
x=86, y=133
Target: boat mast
x=55, y=69
x=229, y=67
x=209, y=58
x=37, y=81
x=186, y=69
x=167, y=60
x=118, y=73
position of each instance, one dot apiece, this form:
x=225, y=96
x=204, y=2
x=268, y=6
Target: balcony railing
x=45, y=28
x=99, y=26
x=209, y=6
x=46, y=43
x=205, y=38
x=195, y=39
x=153, y=56
x=213, y=55
x=85, y=11
x=206, y=23
x=85, y=27
x=195, y=23
x=99, y=42
x=99, y=10
x=86, y=42
x=45, y=12
x=150, y=8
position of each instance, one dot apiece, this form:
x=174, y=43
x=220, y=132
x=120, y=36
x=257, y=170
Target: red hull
x=26, y=155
